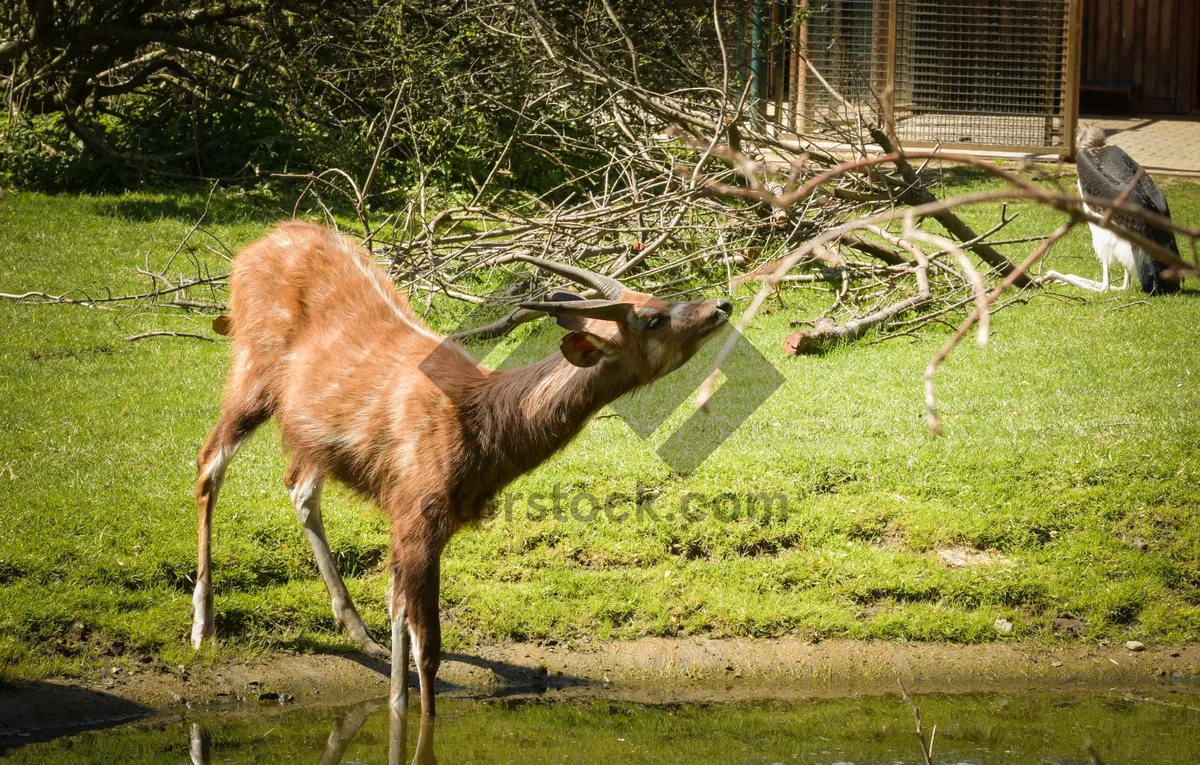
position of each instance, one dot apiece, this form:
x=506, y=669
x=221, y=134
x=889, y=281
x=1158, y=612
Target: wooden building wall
x=1146, y=49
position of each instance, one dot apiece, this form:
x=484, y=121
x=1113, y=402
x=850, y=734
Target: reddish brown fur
x=363, y=391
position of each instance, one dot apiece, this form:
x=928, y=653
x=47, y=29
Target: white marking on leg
x=215, y=469
x=201, y=618
x=390, y=600
x=416, y=651
x=397, y=736
x=199, y=745
x=306, y=498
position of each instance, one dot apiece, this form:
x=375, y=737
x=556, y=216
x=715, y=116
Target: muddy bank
x=651, y=670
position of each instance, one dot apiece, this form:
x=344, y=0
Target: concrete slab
x=1161, y=144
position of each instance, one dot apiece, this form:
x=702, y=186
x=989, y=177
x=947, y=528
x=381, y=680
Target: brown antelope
x=364, y=392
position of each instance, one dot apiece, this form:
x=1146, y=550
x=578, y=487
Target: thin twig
x=940, y=356
x=926, y=749
x=164, y=333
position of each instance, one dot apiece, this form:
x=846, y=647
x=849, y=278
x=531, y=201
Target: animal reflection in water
x=342, y=736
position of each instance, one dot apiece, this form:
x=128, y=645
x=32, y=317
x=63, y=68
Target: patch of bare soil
x=651, y=670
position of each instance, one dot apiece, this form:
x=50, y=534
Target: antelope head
x=648, y=336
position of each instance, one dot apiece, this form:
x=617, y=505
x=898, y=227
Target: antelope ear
x=582, y=349
x=570, y=323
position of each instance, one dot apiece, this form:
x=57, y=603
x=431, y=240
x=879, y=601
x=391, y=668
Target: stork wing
x=1105, y=172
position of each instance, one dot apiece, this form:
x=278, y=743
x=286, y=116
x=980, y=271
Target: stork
x=1105, y=172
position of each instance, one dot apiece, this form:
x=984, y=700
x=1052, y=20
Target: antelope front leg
x=398, y=695
x=419, y=576
x=306, y=498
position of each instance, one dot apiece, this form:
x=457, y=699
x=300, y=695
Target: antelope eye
x=658, y=322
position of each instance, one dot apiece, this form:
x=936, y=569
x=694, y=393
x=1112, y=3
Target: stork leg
x=1124, y=283
x=1076, y=281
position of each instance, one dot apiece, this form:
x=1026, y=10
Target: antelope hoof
x=202, y=618
x=349, y=620
x=201, y=629
x=372, y=649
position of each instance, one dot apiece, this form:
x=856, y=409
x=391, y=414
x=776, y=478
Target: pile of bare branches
x=691, y=190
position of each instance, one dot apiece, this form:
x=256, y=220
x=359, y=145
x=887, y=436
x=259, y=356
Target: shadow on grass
x=40, y=711
x=227, y=208
x=224, y=209
x=956, y=175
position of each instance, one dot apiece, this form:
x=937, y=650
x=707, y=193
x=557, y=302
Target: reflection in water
x=342, y=735
x=345, y=729
x=200, y=745
x=398, y=735
x=979, y=729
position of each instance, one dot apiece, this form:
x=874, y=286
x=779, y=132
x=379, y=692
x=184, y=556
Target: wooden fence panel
x=1140, y=54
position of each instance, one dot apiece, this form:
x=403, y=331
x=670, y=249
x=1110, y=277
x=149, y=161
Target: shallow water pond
x=984, y=729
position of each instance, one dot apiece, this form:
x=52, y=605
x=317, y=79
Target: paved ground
x=1157, y=143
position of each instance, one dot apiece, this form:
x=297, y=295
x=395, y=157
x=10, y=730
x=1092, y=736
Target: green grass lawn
x=1071, y=455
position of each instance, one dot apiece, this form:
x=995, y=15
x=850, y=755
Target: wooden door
x=1141, y=51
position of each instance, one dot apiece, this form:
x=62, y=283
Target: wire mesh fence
x=989, y=73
